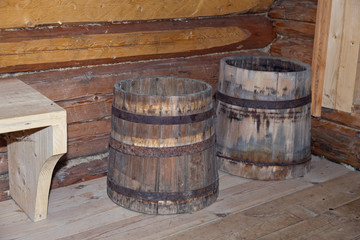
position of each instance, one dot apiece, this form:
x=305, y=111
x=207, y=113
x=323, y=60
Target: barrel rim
x=208, y=87
x=307, y=67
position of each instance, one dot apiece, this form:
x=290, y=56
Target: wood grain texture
x=357, y=83
x=89, y=47
x=80, y=169
x=336, y=142
x=27, y=109
x=35, y=129
x=32, y=13
x=319, y=55
x=64, y=46
x=89, y=129
x=158, y=167
x=349, y=58
x=31, y=163
x=294, y=29
x=309, y=213
x=71, y=88
x=341, y=57
x=85, y=108
x=83, y=211
x=347, y=119
x=260, y=142
x=88, y=146
x=298, y=49
x=298, y=10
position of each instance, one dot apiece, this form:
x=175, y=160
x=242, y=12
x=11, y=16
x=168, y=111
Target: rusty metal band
x=159, y=152
x=303, y=161
x=259, y=104
x=164, y=196
x=161, y=120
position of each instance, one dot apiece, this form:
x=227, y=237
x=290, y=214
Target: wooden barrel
x=263, y=117
x=162, y=146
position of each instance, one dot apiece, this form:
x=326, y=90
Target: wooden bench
x=35, y=130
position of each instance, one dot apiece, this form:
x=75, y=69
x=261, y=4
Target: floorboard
x=324, y=204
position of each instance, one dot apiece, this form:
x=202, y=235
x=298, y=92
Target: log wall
x=76, y=54
x=74, y=51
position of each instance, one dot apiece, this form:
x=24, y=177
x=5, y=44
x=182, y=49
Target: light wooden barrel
x=162, y=146
x=263, y=117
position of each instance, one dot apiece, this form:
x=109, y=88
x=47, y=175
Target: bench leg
x=31, y=164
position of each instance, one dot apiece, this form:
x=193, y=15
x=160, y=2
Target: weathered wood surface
x=337, y=142
x=24, y=13
x=299, y=49
x=267, y=141
x=294, y=29
x=298, y=206
x=297, y=10
x=159, y=163
x=77, y=45
x=80, y=169
x=351, y=120
x=295, y=21
x=313, y=213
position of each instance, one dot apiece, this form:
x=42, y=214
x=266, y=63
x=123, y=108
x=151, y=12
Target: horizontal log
x=295, y=29
x=347, y=119
x=79, y=170
x=65, y=46
x=89, y=85
x=24, y=13
x=89, y=129
x=86, y=147
x=298, y=10
x=86, y=108
x=298, y=49
x=336, y=142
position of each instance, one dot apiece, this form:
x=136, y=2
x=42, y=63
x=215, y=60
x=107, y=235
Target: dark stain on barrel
x=258, y=122
x=284, y=91
x=233, y=116
x=272, y=91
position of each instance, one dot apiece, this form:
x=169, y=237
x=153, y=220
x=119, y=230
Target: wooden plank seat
x=35, y=130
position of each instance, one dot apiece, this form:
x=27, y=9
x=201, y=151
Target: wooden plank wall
x=75, y=61
x=341, y=59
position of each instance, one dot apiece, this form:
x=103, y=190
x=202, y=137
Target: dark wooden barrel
x=162, y=146
x=263, y=117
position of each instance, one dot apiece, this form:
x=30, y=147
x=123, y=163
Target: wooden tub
x=263, y=117
x=162, y=147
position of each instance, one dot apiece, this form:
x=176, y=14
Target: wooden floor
x=325, y=204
